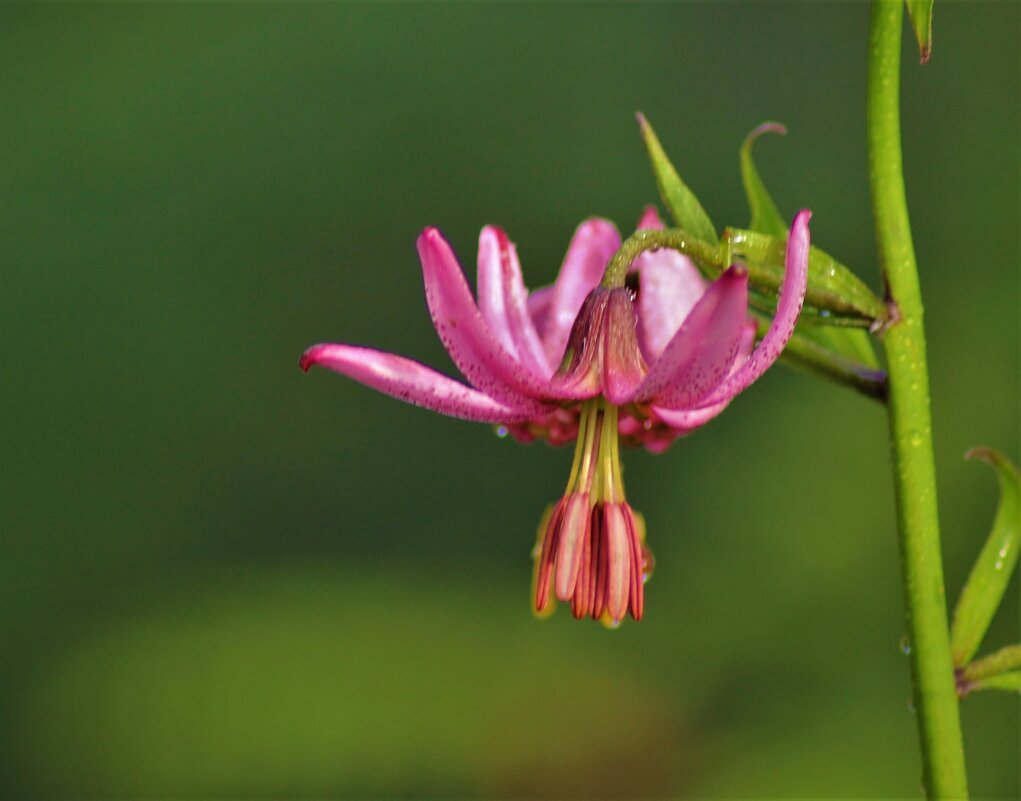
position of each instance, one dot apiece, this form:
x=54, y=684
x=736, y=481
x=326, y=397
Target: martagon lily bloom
x=641, y=357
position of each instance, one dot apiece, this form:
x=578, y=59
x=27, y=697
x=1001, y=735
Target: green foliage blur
x=221, y=577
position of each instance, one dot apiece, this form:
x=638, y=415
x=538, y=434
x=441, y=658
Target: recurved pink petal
x=788, y=308
x=684, y=421
x=413, y=383
x=593, y=244
x=503, y=301
x=468, y=339
x=702, y=351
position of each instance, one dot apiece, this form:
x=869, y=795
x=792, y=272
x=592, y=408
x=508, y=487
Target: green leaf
x=1003, y=661
x=814, y=358
x=852, y=343
x=834, y=292
x=920, y=12
x=766, y=217
x=683, y=206
x=989, y=577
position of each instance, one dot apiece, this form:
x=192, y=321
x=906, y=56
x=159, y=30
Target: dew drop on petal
x=501, y=431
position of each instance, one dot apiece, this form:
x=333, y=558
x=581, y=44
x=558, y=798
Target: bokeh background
x=221, y=577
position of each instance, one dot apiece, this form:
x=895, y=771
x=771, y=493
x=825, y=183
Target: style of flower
x=641, y=356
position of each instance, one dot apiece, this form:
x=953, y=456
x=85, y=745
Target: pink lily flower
x=644, y=362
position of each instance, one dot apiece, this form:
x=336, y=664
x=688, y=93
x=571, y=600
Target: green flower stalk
x=935, y=694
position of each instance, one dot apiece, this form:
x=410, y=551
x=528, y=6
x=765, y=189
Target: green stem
x=817, y=360
x=673, y=238
x=935, y=695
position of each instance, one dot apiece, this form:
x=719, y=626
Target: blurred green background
x=222, y=577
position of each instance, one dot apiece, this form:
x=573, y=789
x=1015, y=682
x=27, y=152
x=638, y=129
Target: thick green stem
x=935, y=695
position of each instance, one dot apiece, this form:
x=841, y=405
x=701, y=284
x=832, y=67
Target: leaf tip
x=766, y=127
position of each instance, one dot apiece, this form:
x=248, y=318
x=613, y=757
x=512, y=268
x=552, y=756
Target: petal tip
x=736, y=271
x=309, y=358
x=430, y=236
x=650, y=219
x=803, y=217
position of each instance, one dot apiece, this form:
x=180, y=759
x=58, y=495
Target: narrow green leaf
x=920, y=12
x=683, y=206
x=989, y=577
x=766, y=217
x=837, y=294
x=1003, y=661
x=851, y=343
x=1009, y=682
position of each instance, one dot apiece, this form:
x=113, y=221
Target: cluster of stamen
x=591, y=549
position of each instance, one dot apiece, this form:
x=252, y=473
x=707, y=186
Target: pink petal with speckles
x=788, y=308
x=468, y=339
x=700, y=354
x=413, y=383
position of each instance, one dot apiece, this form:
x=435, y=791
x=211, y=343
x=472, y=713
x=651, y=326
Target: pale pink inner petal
x=788, y=308
x=593, y=244
x=503, y=301
x=701, y=352
x=415, y=383
x=539, y=301
x=669, y=287
x=468, y=339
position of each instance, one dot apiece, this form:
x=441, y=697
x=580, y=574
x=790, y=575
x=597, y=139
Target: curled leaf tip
x=766, y=127
x=990, y=456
